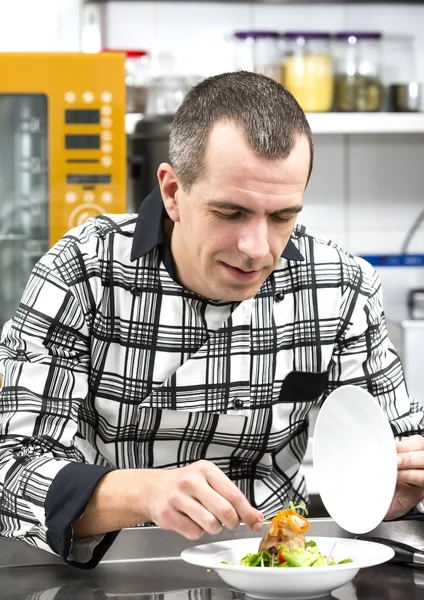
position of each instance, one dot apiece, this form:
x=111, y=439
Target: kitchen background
x=367, y=188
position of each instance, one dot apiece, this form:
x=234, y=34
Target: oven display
x=83, y=116
x=88, y=179
x=82, y=142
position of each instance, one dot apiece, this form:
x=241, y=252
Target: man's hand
x=198, y=498
x=410, y=481
x=189, y=500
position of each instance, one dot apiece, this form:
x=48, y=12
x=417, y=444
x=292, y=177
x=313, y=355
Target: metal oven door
x=23, y=193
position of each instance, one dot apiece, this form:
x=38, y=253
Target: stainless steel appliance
x=407, y=336
x=147, y=148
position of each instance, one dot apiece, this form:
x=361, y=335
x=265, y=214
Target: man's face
x=236, y=220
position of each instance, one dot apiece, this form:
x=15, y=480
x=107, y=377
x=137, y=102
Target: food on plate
x=285, y=545
x=287, y=528
x=281, y=556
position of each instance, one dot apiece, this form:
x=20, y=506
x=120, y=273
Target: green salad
x=282, y=557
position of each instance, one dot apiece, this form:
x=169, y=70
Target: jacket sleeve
x=364, y=355
x=45, y=483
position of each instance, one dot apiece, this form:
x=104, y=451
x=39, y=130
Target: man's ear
x=169, y=186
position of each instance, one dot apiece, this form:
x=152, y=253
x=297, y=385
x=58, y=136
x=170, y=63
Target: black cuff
x=66, y=501
x=412, y=516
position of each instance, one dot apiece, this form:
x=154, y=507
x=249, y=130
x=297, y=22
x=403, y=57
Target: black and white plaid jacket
x=109, y=363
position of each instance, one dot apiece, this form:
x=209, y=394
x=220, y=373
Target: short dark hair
x=267, y=113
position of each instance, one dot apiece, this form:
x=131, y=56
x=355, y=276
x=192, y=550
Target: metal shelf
x=277, y=1
x=343, y=123
x=362, y=123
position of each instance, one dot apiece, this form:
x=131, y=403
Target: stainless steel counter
x=144, y=563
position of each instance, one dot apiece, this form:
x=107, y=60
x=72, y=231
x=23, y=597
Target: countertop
x=144, y=564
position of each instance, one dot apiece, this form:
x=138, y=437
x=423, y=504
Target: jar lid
x=244, y=35
x=128, y=53
x=307, y=35
x=359, y=35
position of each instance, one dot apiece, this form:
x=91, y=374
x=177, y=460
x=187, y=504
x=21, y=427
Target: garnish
x=282, y=557
x=297, y=523
x=301, y=505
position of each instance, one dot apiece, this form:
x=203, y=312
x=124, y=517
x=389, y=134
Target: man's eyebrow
x=291, y=210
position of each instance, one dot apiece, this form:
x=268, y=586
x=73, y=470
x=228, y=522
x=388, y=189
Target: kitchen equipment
x=407, y=336
x=406, y=97
x=291, y=583
x=416, y=303
x=62, y=147
x=355, y=458
x=257, y=51
x=403, y=553
x=358, y=72
x=307, y=70
x=147, y=148
x=165, y=93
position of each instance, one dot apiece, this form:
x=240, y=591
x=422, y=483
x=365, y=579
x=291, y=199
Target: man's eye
x=227, y=216
x=283, y=219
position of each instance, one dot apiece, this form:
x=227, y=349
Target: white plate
x=355, y=459
x=298, y=583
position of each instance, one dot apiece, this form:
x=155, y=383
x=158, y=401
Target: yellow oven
x=62, y=154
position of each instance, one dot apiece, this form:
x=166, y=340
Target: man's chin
x=234, y=294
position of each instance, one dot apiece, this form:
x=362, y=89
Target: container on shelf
x=359, y=85
x=307, y=70
x=137, y=76
x=257, y=51
x=406, y=97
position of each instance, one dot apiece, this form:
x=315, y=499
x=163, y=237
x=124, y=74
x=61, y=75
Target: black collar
x=149, y=233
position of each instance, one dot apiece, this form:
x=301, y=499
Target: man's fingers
x=201, y=515
x=236, y=499
x=173, y=520
x=411, y=444
x=412, y=477
x=411, y=460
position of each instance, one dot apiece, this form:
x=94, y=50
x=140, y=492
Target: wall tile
x=200, y=41
x=28, y=26
x=321, y=17
x=324, y=204
x=386, y=191
x=131, y=25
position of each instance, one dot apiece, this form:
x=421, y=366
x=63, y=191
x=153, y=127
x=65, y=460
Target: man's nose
x=253, y=240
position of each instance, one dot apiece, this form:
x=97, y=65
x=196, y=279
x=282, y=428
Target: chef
x=161, y=367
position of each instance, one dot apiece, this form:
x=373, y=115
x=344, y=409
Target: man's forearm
x=116, y=503
x=189, y=500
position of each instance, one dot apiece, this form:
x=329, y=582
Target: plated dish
x=285, y=563
x=299, y=583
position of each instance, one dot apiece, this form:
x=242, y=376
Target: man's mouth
x=243, y=275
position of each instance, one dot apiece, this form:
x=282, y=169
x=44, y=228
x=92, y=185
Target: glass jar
x=257, y=51
x=307, y=70
x=137, y=70
x=358, y=72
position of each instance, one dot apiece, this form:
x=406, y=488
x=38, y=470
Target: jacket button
x=279, y=296
x=135, y=291
x=238, y=404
